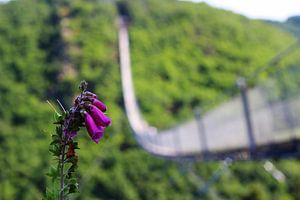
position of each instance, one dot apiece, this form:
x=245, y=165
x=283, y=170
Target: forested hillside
x=183, y=55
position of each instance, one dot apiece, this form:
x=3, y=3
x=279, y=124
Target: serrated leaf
x=54, y=137
x=58, y=122
x=55, y=149
x=57, y=141
x=58, y=130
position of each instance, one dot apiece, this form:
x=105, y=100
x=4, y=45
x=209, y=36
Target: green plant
x=87, y=111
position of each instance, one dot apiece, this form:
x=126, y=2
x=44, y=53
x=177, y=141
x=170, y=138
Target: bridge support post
x=242, y=85
x=202, y=133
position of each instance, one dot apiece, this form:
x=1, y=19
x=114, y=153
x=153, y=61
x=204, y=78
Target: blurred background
x=184, y=55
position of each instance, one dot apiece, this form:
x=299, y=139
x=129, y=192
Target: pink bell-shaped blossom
x=98, y=135
x=95, y=132
x=99, y=117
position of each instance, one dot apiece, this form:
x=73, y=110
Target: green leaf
x=57, y=141
x=53, y=173
x=73, y=188
x=54, y=137
x=75, y=145
x=57, y=116
x=55, y=149
x=59, y=130
x=72, y=181
x=72, y=159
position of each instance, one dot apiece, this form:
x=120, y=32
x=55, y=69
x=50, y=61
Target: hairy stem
x=61, y=162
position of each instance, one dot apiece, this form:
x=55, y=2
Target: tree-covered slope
x=23, y=82
x=183, y=55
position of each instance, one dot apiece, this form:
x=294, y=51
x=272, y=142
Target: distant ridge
x=292, y=25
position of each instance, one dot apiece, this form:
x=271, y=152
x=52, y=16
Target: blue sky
x=258, y=9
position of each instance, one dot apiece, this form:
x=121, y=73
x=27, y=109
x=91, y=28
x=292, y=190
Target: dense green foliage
x=183, y=55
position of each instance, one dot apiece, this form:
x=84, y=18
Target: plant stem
x=62, y=158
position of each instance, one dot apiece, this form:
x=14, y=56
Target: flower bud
x=87, y=93
x=99, y=104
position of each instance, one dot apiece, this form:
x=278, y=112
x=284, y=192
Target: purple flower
x=100, y=118
x=99, y=104
x=98, y=135
x=70, y=134
x=95, y=132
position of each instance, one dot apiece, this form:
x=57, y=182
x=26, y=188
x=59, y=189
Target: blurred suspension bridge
x=263, y=122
